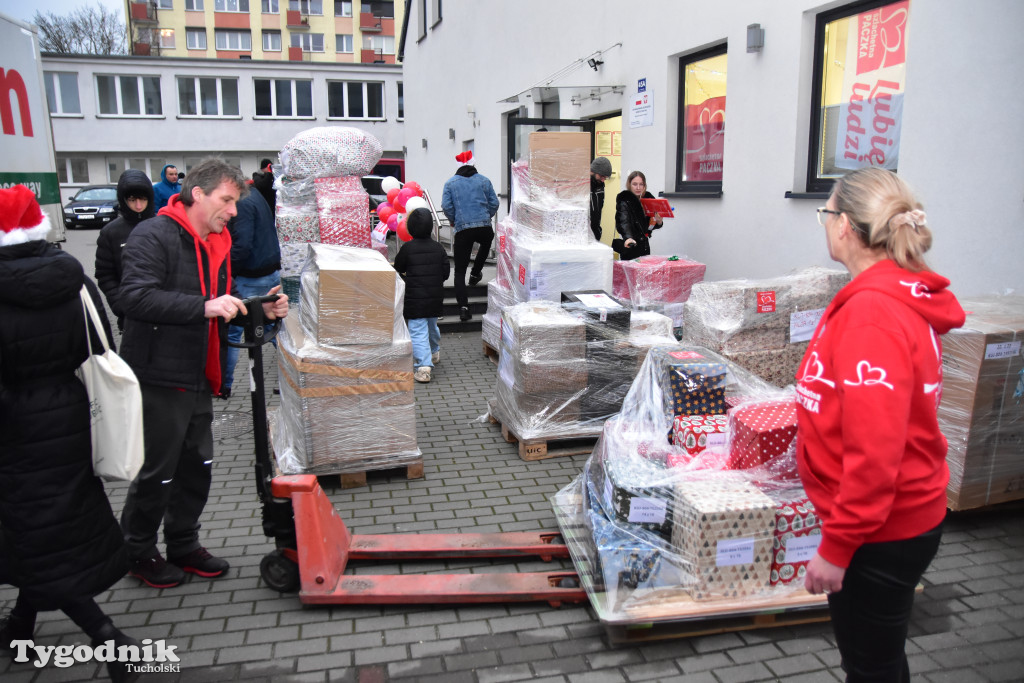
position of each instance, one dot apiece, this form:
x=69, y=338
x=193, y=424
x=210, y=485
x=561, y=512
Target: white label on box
x=647, y=510
x=802, y=548
x=1002, y=350
x=675, y=311
x=735, y=551
x=716, y=439
x=802, y=324
x=598, y=301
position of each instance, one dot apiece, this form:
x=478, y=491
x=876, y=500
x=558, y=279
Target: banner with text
x=705, y=139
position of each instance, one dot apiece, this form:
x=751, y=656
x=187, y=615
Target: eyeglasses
x=822, y=210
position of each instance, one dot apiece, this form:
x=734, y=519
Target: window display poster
x=871, y=113
x=705, y=139
x=641, y=107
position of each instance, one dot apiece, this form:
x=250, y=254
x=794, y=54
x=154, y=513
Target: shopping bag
x=115, y=404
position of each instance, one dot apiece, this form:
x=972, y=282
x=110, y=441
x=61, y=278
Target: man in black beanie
x=600, y=171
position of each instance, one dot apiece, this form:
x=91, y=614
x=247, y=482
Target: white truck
x=27, y=140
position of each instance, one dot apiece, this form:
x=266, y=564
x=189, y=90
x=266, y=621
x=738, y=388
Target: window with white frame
x=231, y=6
x=384, y=45
x=72, y=170
x=195, y=38
x=164, y=4
x=343, y=43
x=203, y=96
x=314, y=7
x=271, y=41
x=194, y=5
x=167, y=38
x=62, y=92
x=355, y=100
x=283, y=98
x=232, y=40
x=271, y=7
x=309, y=42
x=701, y=123
x=343, y=8
x=860, y=58
x=151, y=167
x=128, y=95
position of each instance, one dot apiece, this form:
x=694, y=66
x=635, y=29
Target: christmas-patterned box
x=694, y=383
x=796, y=539
x=633, y=496
x=734, y=305
x=653, y=279
x=760, y=431
x=343, y=207
x=554, y=221
x=723, y=530
x=694, y=433
x=775, y=366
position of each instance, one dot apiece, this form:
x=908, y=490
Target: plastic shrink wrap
x=982, y=407
x=762, y=325
x=656, y=529
x=345, y=363
x=657, y=283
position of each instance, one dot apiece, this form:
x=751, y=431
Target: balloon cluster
x=402, y=200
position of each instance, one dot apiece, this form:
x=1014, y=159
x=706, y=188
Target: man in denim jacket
x=470, y=203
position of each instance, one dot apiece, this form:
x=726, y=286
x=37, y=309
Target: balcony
x=369, y=23
x=294, y=54
x=143, y=12
x=296, y=20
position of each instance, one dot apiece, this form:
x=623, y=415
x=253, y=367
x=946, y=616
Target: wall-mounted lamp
x=755, y=38
x=594, y=63
x=451, y=133
x=423, y=142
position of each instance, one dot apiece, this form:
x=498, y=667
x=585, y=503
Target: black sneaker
x=154, y=571
x=13, y=628
x=474, y=279
x=119, y=672
x=464, y=313
x=201, y=563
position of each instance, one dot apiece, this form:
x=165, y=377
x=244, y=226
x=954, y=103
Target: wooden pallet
x=541, y=448
x=491, y=352
x=352, y=480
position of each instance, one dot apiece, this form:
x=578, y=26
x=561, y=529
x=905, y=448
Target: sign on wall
x=641, y=108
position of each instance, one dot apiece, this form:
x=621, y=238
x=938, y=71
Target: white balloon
x=390, y=183
x=414, y=203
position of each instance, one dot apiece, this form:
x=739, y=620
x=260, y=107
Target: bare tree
x=87, y=30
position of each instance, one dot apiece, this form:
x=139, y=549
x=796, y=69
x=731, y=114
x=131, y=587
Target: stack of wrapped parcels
x=320, y=197
x=762, y=325
x=982, y=408
x=345, y=363
x=691, y=494
x=657, y=283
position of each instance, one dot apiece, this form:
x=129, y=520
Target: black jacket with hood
x=423, y=264
x=632, y=223
x=114, y=235
x=59, y=539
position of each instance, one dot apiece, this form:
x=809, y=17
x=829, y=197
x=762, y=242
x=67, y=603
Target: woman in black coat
x=631, y=221
x=60, y=543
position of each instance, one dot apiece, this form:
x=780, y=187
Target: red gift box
x=694, y=433
x=760, y=431
x=655, y=279
x=797, y=536
x=344, y=211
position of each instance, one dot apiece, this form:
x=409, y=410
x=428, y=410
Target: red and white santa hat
x=465, y=158
x=21, y=219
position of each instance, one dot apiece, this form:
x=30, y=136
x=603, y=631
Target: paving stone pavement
x=968, y=625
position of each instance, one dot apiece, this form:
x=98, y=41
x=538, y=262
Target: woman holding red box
x=632, y=221
x=869, y=450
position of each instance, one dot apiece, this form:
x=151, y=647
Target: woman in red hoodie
x=870, y=453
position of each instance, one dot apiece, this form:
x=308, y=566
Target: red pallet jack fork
x=314, y=546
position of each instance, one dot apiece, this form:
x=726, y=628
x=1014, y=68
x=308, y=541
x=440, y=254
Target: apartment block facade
x=346, y=31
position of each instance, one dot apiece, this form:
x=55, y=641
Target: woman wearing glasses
x=870, y=453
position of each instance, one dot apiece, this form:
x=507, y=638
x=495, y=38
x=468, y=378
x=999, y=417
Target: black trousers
x=871, y=615
x=86, y=614
x=461, y=251
x=174, y=482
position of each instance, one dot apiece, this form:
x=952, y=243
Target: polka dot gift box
x=693, y=382
x=760, y=431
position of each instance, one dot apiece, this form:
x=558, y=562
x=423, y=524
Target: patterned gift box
x=796, y=539
x=694, y=433
x=553, y=221
x=656, y=279
x=759, y=432
x=344, y=211
x=775, y=366
x=633, y=497
x=695, y=384
x=723, y=529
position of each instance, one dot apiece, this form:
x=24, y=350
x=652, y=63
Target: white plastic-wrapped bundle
x=543, y=270
x=541, y=213
x=330, y=152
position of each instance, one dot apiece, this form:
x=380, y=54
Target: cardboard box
x=560, y=166
x=348, y=296
x=982, y=408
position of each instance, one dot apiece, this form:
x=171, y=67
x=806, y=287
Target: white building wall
x=960, y=150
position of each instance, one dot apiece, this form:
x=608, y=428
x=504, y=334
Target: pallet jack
x=314, y=547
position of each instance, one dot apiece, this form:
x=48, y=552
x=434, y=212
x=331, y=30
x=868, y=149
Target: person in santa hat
x=470, y=203
x=60, y=543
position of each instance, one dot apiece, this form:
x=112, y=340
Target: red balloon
x=415, y=187
x=393, y=222
x=384, y=205
x=405, y=193
x=399, y=204
x=392, y=194
x=403, y=232
x=385, y=213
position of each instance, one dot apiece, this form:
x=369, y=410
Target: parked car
x=91, y=207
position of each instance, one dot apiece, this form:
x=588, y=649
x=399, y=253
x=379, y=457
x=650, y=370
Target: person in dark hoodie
x=600, y=171
x=423, y=265
x=59, y=540
x=869, y=450
x=470, y=203
x=175, y=290
x=135, y=204
x=168, y=186
x=631, y=222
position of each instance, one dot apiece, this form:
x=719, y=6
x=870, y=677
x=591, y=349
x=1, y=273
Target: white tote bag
x=115, y=403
